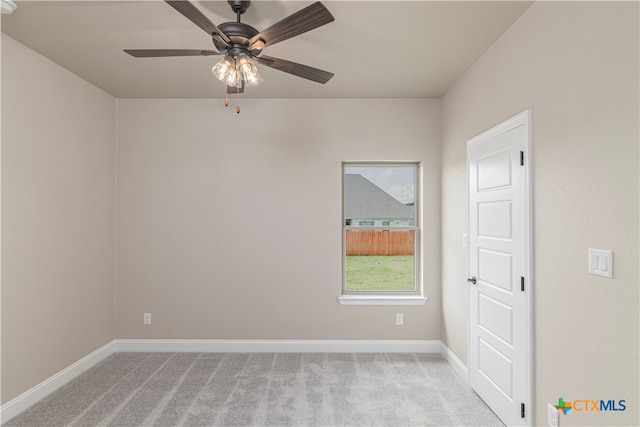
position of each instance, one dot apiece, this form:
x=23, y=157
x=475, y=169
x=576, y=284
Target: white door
x=499, y=269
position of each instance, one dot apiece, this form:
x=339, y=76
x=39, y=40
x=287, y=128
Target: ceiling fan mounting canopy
x=239, y=6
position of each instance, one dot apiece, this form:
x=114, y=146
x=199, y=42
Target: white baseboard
x=281, y=346
x=20, y=403
x=457, y=365
x=17, y=405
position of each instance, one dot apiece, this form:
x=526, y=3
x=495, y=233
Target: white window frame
x=391, y=297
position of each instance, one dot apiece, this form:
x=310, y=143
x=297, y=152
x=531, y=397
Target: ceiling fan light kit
x=250, y=74
x=226, y=71
x=242, y=45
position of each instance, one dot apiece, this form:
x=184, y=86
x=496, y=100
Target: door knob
x=472, y=280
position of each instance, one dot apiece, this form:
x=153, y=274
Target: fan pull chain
x=226, y=101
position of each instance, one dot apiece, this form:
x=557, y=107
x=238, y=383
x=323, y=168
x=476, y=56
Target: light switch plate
x=601, y=262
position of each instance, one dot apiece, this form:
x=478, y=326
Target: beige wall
x=58, y=182
x=229, y=225
x=576, y=65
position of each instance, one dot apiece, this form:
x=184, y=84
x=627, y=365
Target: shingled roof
x=365, y=200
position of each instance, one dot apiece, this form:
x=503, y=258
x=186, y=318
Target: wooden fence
x=380, y=242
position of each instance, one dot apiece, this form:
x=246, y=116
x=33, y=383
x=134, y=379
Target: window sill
x=382, y=300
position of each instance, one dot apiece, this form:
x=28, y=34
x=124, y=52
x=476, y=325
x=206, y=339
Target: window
x=381, y=229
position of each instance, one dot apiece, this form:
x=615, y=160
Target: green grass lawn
x=380, y=272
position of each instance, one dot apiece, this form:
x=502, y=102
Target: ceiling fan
x=242, y=45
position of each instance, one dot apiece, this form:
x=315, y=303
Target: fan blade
x=158, y=53
x=304, y=20
x=296, y=69
x=198, y=18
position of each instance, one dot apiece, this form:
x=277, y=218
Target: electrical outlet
x=147, y=318
x=399, y=319
x=552, y=415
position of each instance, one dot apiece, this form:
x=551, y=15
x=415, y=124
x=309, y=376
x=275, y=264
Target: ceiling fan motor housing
x=239, y=33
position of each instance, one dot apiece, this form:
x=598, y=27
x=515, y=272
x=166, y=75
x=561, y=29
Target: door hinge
x=522, y=158
x=522, y=284
x=522, y=410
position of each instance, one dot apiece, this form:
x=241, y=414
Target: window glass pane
x=380, y=193
x=380, y=260
x=376, y=197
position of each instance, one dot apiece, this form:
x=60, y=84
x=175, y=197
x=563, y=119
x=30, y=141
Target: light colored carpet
x=271, y=389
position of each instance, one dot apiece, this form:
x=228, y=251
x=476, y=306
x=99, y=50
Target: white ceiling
x=377, y=49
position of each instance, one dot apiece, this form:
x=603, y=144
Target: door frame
x=521, y=119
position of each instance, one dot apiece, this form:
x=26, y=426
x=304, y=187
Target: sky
x=398, y=181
